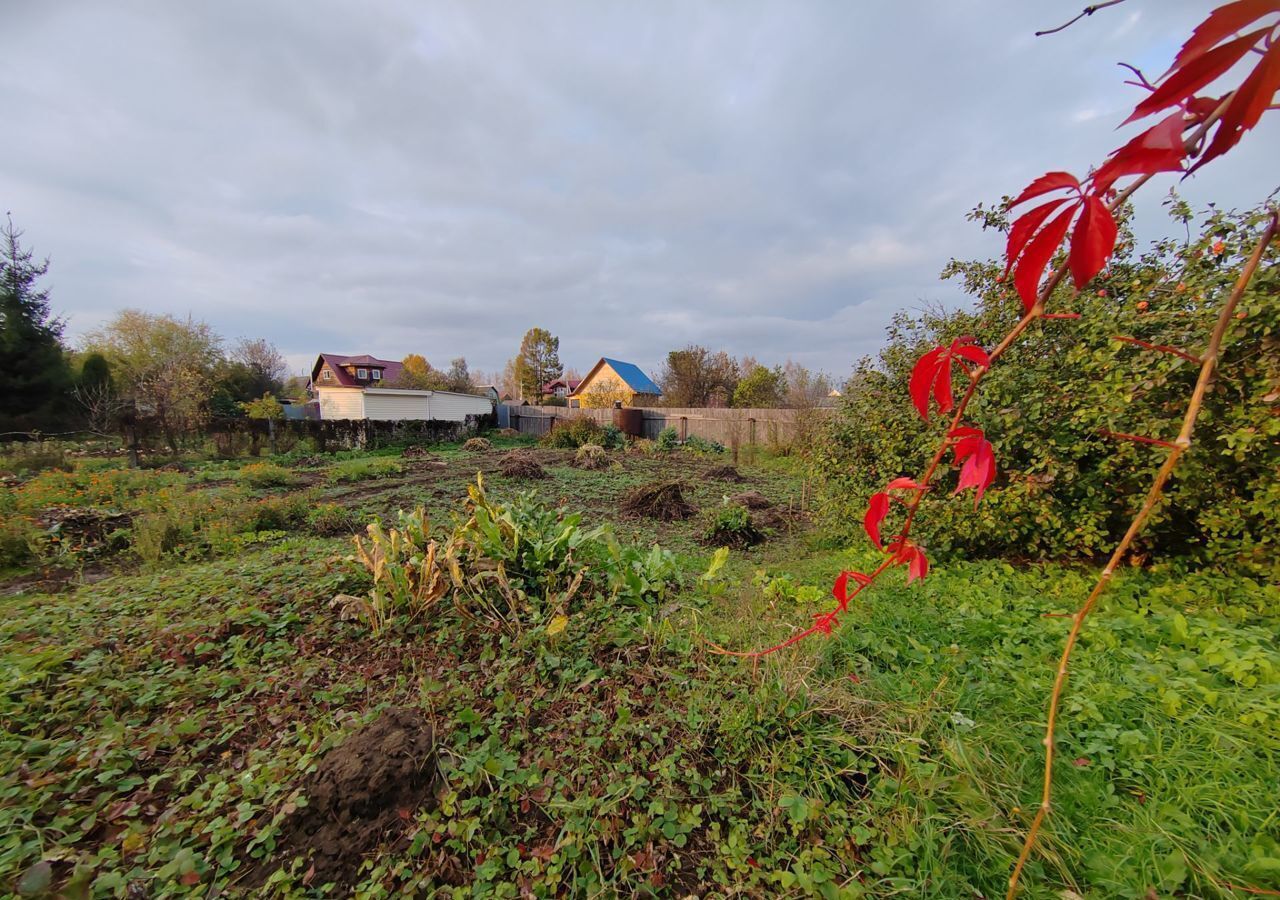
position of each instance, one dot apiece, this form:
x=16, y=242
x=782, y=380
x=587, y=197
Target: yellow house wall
x=604, y=379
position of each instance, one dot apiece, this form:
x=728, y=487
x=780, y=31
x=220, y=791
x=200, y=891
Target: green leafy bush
x=366, y=468
x=573, y=432
x=703, y=445
x=668, y=439
x=731, y=526
x=611, y=437
x=1065, y=487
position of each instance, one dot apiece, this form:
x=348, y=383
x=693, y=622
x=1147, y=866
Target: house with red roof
x=364, y=387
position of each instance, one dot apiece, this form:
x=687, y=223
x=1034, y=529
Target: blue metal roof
x=634, y=378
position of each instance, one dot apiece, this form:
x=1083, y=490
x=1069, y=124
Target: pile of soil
x=88, y=531
x=507, y=432
x=591, y=457
x=417, y=451
x=477, y=445
x=363, y=793
x=520, y=465
x=661, y=500
x=751, y=500
x=725, y=473
x=735, y=538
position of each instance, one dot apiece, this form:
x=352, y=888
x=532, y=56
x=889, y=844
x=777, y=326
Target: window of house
x=362, y=374
x=377, y=374
x=326, y=375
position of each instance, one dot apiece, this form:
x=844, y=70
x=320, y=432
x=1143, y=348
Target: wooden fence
x=731, y=427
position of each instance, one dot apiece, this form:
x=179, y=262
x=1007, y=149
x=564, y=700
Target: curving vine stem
x=1179, y=446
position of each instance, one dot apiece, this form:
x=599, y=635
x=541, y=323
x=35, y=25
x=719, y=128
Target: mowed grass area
x=161, y=714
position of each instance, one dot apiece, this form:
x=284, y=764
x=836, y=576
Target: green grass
x=1169, y=742
x=155, y=725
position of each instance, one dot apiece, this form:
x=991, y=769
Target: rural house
x=561, y=387
x=363, y=387
x=613, y=381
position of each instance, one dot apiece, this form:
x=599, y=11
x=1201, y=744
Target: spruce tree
x=34, y=377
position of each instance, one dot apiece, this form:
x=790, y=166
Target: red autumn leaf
x=877, y=509
x=1158, y=149
x=1183, y=83
x=913, y=558
x=904, y=484
x=824, y=622
x=1247, y=105
x=1037, y=255
x=840, y=590
x=1024, y=227
x=1050, y=181
x=932, y=375
x=978, y=457
x=922, y=378
x=1223, y=22
x=1092, y=241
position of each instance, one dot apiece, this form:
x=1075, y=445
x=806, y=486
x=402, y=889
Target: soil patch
x=751, y=500
x=87, y=531
x=661, y=500
x=725, y=473
x=363, y=792
x=417, y=451
x=520, y=465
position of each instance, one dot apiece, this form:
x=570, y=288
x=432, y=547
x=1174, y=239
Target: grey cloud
x=391, y=177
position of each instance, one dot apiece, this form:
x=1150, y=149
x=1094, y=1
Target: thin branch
x=1136, y=438
x=1087, y=11
x=1137, y=73
x=1183, y=442
x=1163, y=348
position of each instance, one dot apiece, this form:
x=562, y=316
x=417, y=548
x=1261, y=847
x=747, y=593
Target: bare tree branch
x=1087, y=11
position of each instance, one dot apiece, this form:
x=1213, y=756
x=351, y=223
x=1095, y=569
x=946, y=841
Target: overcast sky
x=773, y=179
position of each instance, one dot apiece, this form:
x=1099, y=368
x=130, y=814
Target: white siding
x=396, y=407
x=341, y=403
x=456, y=407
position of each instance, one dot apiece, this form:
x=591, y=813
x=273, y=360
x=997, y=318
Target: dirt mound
x=417, y=451
x=751, y=500
x=661, y=500
x=507, y=432
x=88, y=531
x=725, y=473
x=592, y=457
x=477, y=445
x=520, y=465
x=364, y=791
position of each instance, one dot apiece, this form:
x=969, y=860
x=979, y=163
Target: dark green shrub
x=612, y=438
x=668, y=439
x=703, y=445
x=1065, y=488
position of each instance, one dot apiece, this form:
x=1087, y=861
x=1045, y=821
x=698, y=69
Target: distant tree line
x=139, y=371
x=695, y=376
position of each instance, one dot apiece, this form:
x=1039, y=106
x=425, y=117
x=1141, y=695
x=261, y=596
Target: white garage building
x=349, y=387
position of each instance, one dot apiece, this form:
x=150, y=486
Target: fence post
x=751, y=437
x=684, y=429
